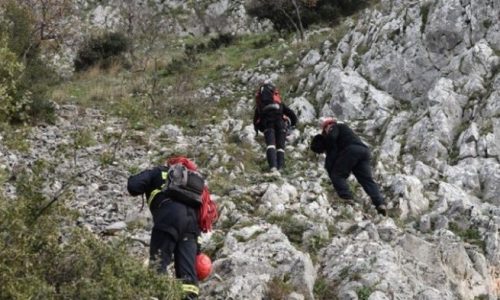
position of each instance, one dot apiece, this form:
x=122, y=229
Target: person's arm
x=318, y=144
x=141, y=183
x=331, y=140
x=290, y=114
x=256, y=120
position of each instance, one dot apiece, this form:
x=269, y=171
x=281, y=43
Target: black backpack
x=184, y=185
x=268, y=97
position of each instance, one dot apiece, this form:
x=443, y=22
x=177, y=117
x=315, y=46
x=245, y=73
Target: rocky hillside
x=418, y=80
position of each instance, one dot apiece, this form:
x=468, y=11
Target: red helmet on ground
x=203, y=266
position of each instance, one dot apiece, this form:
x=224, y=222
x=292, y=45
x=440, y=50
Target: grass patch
x=290, y=227
x=83, y=138
x=325, y=290
x=278, y=288
x=216, y=244
x=166, y=86
x=15, y=137
x=424, y=13
x=247, y=157
x=364, y=293
x=362, y=49
x=469, y=235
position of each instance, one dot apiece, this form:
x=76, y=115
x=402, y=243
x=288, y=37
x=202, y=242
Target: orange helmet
x=203, y=266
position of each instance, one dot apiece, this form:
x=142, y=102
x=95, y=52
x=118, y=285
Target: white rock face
x=412, y=201
x=253, y=256
x=304, y=110
x=426, y=266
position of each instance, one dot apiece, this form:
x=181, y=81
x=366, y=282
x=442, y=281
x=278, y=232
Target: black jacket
x=261, y=117
x=337, y=140
x=145, y=182
x=161, y=208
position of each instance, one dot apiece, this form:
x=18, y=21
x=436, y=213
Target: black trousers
x=175, y=234
x=163, y=246
x=275, y=136
x=355, y=159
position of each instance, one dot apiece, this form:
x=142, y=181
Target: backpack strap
x=164, y=177
x=276, y=96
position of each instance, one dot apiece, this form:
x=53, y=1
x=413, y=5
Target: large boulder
x=254, y=256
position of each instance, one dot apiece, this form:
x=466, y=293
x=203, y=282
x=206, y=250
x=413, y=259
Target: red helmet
x=325, y=122
x=203, y=266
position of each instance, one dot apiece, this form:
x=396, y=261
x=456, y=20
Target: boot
x=382, y=209
x=190, y=296
x=281, y=159
x=271, y=157
x=190, y=291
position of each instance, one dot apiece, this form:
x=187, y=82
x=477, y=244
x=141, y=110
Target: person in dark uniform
x=273, y=117
x=346, y=153
x=176, y=226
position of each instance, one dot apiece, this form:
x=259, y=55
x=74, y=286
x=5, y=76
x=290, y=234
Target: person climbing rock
x=273, y=117
x=181, y=206
x=346, y=154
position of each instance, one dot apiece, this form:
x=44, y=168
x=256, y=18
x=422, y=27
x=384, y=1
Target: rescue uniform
x=270, y=120
x=346, y=153
x=175, y=230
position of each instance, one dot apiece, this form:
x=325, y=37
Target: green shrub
x=37, y=78
x=364, y=293
x=290, y=227
x=102, y=51
x=25, y=77
x=221, y=40
x=11, y=100
x=190, y=58
x=17, y=26
x=284, y=17
x=325, y=290
x=468, y=234
x=46, y=257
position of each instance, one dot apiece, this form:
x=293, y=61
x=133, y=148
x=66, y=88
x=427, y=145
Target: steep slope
x=419, y=81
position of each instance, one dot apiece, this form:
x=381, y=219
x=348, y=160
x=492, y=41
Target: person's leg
x=363, y=173
x=169, y=223
x=185, y=256
x=270, y=138
x=280, y=144
x=161, y=248
x=341, y=171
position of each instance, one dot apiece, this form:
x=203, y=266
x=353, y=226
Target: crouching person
x=346, y=153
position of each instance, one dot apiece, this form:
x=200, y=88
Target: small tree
x=48, y=15
x=29, y=76
x=283, y=13
x=12, y=101
x=101, y=50
x=299, y=14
